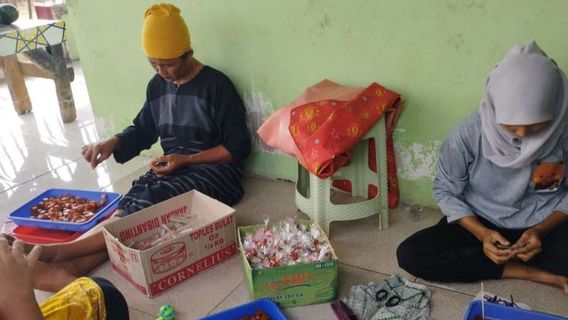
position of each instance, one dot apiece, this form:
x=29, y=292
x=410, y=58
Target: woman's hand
x=496, y=247
x=166, y=165
x=17, y=272
x=530, y=242
x=16, y=268
x=528, y=245
x=96, y=153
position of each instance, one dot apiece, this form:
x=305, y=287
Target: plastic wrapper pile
x=286, y=243
x=176, y=226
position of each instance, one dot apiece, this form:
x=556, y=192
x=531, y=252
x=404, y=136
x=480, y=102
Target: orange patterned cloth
x=326, y=130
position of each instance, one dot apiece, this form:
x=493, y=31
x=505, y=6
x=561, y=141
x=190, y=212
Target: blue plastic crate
x=495, y=311
x=249, y=309
x=22, y=215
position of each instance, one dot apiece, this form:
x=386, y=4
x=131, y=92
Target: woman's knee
x=406, y=256
x=115, y=303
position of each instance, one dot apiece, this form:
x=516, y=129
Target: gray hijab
x=526, y=88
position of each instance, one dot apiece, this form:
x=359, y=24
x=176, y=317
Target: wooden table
x=41, y=41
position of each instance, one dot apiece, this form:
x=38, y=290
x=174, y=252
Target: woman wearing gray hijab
x=500, y=183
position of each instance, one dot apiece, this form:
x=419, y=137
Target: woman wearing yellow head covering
x=196, y=113
x=199, y=118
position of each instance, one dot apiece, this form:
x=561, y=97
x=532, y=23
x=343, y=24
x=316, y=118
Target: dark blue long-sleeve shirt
x=198, y=115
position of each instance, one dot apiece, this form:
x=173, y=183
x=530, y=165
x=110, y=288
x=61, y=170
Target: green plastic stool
x=313, y=195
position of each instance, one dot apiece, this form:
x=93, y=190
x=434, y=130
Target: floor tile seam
x=364, y=269
x=252, y=175
x=226, y=296
x=41, y=175
x=153, y=316
x=443, y=287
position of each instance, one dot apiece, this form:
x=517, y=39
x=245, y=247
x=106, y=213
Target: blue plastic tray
x=22, y=215
x=249, y=309
x=498, y=312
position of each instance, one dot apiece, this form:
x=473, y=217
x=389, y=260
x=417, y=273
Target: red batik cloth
x=325, y=131
x=275, y=131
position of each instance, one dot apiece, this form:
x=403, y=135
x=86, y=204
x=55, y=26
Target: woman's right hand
x=496, y=247
x=96, y=153
x=489, y=238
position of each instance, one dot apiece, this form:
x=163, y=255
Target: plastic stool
x=317, y=204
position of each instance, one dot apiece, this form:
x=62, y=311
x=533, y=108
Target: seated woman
x=83, y=298
x=199, y=118
x=500, y=183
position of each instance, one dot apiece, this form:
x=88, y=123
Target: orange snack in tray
x=259, y=315
x=67, y=208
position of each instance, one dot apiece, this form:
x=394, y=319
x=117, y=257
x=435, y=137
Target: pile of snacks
x=176, y=225
x=286, y=243
x=67, y=208
x=259, y=315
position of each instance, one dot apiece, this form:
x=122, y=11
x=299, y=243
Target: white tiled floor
x=37, y=151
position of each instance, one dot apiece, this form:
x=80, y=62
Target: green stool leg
x=313, y=194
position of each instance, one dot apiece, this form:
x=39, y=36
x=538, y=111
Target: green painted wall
x=436, y=53
x=71, y=42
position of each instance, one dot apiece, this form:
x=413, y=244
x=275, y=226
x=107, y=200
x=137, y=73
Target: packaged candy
x=169, y=231
x=286, y=243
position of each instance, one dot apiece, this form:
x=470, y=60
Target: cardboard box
x=210, y=241
x=295, y=285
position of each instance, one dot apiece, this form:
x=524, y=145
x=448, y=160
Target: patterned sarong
x=219, y=181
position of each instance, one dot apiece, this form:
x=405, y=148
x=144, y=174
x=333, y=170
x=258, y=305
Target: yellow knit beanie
x=164, y=34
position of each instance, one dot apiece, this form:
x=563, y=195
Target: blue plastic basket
x=22, y=215
x=495, y=311
x=249, y=309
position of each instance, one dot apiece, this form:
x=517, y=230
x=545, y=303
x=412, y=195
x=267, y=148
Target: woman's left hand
x=528, y=245
x=17, y=269
x=166, y=165
x=17, y=273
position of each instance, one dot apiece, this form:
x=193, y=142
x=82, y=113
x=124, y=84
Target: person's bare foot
x=520, y=271
x=27, y=246
x=54, y=276
x=551, y=279
x=8, y=237
x=47, y=255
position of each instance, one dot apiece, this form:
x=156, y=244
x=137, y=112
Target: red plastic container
x=44, y=236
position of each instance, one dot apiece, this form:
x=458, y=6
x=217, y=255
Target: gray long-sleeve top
x=466, y=183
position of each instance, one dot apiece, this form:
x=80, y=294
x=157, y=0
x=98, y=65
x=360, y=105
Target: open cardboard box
x=293, y=285
x=210, y=241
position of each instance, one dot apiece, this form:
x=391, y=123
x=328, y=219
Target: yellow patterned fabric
x=82, y=299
